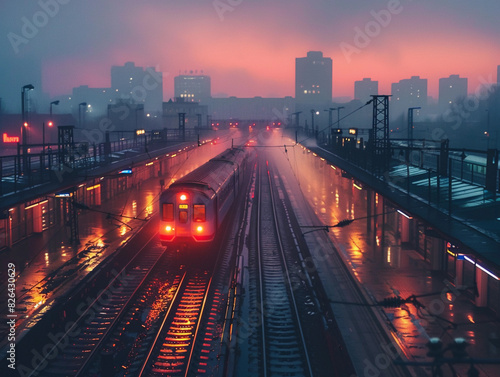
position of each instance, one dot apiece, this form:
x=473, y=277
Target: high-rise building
x=192, y=88
x=450, y=89
x=313, y=79
x=195, y=114
x=138, y=85
x=363, y=90
x=408, y=93
x=97, y=99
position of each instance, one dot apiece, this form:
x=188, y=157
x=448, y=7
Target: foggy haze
x=247, y=47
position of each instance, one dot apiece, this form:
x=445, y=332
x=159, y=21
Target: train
x=193, y=208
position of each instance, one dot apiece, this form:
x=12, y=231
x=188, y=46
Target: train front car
x=187, y=214
x=193, y=207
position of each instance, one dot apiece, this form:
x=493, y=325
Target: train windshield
x=199, y=212
x=183, y=216
x=168, y=212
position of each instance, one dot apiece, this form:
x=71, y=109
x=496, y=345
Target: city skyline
x=249, y=49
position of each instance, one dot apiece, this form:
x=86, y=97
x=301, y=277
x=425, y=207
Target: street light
x=80, y=120
x=410, y=125
x=312, y=119
x=297, y=114
x=487, y=133
x=138, y=108
x=23, y=115
x=24, y=127
x=338, y=115
x=330, y=120
x=50, y=123
x=53, y=103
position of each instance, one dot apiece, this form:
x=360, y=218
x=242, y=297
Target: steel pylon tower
x=66, y=145
x=380, y=134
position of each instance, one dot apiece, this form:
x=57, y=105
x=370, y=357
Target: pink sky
x=246, y=58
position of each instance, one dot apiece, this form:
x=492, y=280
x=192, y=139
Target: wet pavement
x=48, y=266
x=383, y=266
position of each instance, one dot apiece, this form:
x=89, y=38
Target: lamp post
x=410, y=125
x=80, y=116
x=23, y=115
x=24, y=127
x=138, y=108
x=53, y=103
x=313, y=112
x=50, y=123
x=330, y=121
x=297, y=114
x=487, y=133
x=338, y=115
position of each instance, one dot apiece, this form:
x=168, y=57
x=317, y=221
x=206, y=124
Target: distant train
x=193, y=208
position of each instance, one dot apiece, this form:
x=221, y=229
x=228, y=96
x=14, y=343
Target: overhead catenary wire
x=338, y=121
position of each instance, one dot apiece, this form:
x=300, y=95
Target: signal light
x=50, y=124
x=25, y=124
x=183, y=197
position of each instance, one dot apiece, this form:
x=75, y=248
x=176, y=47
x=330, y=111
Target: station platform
x=48, y=264
x=384, y=266
x=474, y=218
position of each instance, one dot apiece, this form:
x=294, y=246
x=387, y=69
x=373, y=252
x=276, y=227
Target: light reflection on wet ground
x=383, y=264
x=49, y=264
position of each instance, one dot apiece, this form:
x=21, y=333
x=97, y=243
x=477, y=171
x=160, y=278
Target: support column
x=98, y=195
x=482, y=288
x=436, y=253
x=459, y=272
x=405, y=229
x=37, y=219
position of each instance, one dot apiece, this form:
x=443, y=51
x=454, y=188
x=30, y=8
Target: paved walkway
x=385, y=268
x=48, y=265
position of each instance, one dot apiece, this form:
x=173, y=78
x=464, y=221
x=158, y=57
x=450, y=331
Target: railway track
x=71, y=354
x=284, y=351
x=172, y=350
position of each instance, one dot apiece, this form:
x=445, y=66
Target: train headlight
x=199, y=228
x=183, y=197
x=168, y=228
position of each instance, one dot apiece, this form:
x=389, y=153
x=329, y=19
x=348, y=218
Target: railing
x=436, y=162
x=20, y=172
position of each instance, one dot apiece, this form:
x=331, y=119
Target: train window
x=168, y=212
x=183, y=216
x=199, y=212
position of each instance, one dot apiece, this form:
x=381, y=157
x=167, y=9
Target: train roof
x=214, y=173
